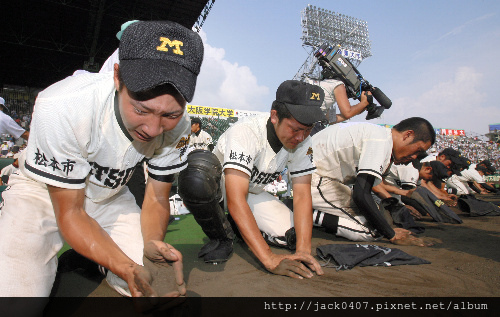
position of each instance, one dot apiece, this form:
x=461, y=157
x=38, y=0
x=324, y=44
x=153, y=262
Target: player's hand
x=310, y=262
x=414, y=212
x=406, y=237
x=161, y=252
x=291, y=265
x=146, y=298
x=452, y=202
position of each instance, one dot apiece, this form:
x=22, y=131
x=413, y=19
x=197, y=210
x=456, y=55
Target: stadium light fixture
x=324, y=26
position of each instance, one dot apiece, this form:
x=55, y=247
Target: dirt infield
x=465, y=263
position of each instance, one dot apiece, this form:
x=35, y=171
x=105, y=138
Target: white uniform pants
x=352, y=225
x=462, y=188
x=273, y=216
x=30, y=238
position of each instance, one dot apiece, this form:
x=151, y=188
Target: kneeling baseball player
x=88, y=133
x=248, y=156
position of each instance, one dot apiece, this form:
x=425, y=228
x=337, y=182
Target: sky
x=434, y=59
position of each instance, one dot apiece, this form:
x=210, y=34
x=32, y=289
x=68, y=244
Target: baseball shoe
x=102, y=270
x=216, y=251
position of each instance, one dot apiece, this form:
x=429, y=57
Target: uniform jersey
x=78, y=140
x=471, y=175
x=429, y=158
x=9, y=126
x=200, y=140
x=400, y=175
x=328, y=105
x=246, y=147
x=344, y=150
x=8, y=170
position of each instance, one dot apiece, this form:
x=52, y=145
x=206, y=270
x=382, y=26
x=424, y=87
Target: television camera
x=336, y=66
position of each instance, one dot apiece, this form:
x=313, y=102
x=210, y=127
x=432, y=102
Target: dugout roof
x=43, y=41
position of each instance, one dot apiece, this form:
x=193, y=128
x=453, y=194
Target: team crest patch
x=182, y=143
x=310, y=153
x=175, y=44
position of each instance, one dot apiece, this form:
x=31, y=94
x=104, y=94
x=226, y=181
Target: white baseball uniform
x=200, y=140
x=460, y=182
x=400, y=175
x=9, y=126
x=78, y=142
x=341, y=152
x=328, y=106
x=246, y=147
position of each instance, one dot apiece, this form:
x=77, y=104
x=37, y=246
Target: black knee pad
x=199, y=188
x=200, y=181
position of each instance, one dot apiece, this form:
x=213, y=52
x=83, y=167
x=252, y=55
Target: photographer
x=335, y=92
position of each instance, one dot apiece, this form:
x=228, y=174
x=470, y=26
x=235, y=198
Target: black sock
x=327, y=221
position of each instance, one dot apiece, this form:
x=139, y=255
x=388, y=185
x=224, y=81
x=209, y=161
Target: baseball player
x=88, y=133
x=199, y=139
x=401, y=181
x=357, y=155
x=8, y=125
x=9, y=170
x=250, y=155
x=474, y=174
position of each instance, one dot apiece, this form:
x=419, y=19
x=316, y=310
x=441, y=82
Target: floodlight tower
x=324, y=26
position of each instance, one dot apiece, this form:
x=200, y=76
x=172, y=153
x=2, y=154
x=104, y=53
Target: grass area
x=180, y=232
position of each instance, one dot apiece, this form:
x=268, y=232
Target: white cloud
x=457, y=103
x=227, y=85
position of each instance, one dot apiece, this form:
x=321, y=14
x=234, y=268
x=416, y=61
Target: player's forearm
x=433, y=189
x=84, y=234
x=366, y=205
x=87, y=238
x=155, y=210
x=154, y=219
x=381, y=191
x=302, y=218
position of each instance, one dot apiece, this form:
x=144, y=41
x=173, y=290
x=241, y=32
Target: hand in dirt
x=161, y=252
x=406, y=237
x=414, y=212
x=146, y=298
x=158, y=286
x=310, y=261
x=452, y=201
x=292, y=265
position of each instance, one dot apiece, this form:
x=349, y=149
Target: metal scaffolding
x=324, y=26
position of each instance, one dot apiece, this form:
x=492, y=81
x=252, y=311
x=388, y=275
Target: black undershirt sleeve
x=488, y=187
x=367, y=206
x=471, y=185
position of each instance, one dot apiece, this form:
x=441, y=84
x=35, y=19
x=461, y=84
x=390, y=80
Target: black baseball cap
x=453, y=154
x=461, y=164
x=303, y=100
x=153, y=53
x=439, y=170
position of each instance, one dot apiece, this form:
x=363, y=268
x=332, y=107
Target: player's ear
x=116, y=76
x=274, y=117
x=408, y=134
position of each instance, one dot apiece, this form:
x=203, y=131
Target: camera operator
x=335, y=92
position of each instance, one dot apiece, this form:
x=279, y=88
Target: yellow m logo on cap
x=315, y=95
x=175, y=44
